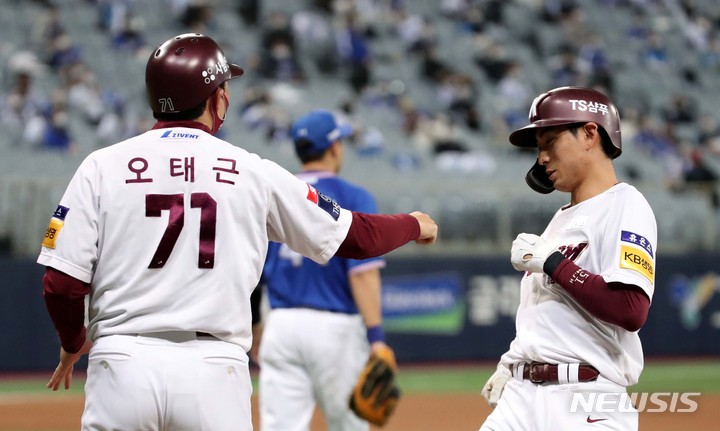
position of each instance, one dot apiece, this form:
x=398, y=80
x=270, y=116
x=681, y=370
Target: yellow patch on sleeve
x=637, y=260
x=52, y=232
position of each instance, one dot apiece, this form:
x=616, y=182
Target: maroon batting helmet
x=568, y=105
x=184, y=71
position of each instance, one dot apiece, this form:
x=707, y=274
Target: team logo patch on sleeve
x=330, y=206
x=638, y=240
x=61, y=212
x=637, y=260
x=312, y=195
x=56, y=223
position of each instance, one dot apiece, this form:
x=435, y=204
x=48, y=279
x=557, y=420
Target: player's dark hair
x=190, y=114
x=306, y=152
x=607, y=145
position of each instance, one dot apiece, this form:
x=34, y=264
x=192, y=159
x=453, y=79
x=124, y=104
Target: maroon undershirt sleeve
x=621, y=304
x=65, y=300
x=373, y=235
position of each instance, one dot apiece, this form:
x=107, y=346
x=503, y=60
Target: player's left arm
x=622, y=304
x=365, y=286
x=365, y=280
x=65, y=300
x=619, y=303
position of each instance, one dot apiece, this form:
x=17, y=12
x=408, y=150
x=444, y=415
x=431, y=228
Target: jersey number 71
x=155, y=204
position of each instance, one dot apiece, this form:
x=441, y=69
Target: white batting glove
x=496, y=383
x=529, y=252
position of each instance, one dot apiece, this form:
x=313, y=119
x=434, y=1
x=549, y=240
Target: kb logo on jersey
x=637, y=260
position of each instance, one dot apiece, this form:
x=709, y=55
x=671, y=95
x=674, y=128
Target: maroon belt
x=548, y=373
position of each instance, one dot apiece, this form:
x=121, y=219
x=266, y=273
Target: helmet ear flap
x=539, y=180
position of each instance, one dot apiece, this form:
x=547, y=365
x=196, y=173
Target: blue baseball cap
x=321, y=128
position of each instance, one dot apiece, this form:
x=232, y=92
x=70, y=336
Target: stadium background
x=433, y=87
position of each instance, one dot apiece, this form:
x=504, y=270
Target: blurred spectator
x=493, y=60
x=63, y=55
x=513, y=96
x=84, y=94
x=574, y=26
x=473, y=22
x=710, y=57
x=354, y=49
x=639, y=28
x=45, y=29
x=454, y=9
x=709, y=135
x=458, y=93
x=260, y=112
x=654, y=54
x=20, y=104
x=682, y=109
x=384, y=93
x=130, y=36
x=591, y=54
x=431, y=67
x=312, y=28
x=652, y=140
x=196, y=15
x=553, y=11
x=115, y=124
x=278, y=52
x=112, y=14
x=410, y=115
x=438, y=134
x=698, y=30
x=49, y=130
x=56, y=136
x=249, y=11
x=660, y=142
x=367, y=141
x=276, y=30
x=415, y=31
x=564, y=67
x=701, y=177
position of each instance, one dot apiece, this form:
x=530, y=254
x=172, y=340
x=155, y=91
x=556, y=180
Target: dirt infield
x=58, y=412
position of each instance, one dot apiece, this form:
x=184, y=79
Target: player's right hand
x=64, y=370
x=492, y=391
x=529, y=252
x=428, y=228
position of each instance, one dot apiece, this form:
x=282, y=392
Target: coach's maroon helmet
x=568, y=105
x=184, y=71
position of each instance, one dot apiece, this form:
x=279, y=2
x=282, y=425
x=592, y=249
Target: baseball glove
x=376, y=394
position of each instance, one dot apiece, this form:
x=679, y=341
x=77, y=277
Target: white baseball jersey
x=172, y=227
x=613, y=234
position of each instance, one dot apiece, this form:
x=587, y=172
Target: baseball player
x=167, y=233
x=315, y=340
x=588, y=278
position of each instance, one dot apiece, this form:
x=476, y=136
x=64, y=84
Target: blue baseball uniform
x=313, y=346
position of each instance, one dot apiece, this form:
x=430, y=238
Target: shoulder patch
x=61, y=212
x=330, y=206
x=638, y=240
x=637, y=260
x=57, y=221
x=312, y=195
